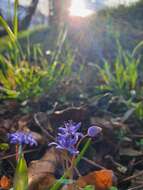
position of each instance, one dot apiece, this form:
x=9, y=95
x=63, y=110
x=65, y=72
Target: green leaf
x=8, y=30
x=113, y=188
x=141, y=142
x=4, y=146
x=15, y=20
x=21, y=174
x=89, y=187
x=66, y=181
x=135, y=50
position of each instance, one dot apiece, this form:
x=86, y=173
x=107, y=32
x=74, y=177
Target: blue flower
x=70, y=127
x=66, y=142
x=93, y=131
x=22, y=138
x=68, y=137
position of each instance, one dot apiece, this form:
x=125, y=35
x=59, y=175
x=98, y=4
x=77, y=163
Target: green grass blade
x=15, y=19
x=135, y=50
x=21, y=177
x=7, y=29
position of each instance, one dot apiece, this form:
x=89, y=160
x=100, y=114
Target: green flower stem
x=58, y=184
x=83, y=151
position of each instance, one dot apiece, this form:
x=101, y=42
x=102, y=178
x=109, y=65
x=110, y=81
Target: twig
x=77, y=171
x=133, y=176
x=11, y=164
x=136, y=136
x=13, y=155
x=138, y=162
x=92, y=163
x=43, y=130
x=137, y=187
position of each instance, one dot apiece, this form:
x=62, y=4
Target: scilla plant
x=21, y=174
x=68, y=141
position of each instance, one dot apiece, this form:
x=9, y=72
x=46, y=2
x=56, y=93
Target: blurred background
x=93, y=30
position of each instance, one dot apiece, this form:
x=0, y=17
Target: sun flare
x=78, y=8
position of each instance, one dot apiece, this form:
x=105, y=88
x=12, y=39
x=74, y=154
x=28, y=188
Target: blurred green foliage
x=21, y=81
x=138, y=109
x=113, y=188
x=28, y=72
x=121, y=78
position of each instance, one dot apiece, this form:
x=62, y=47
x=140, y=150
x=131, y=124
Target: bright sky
x=79, y=8
x=109, y=2
x=116, y=2
x=43, y=4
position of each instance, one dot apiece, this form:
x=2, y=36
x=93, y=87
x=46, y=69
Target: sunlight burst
x=78, y=8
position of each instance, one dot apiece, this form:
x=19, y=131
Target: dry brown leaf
x=5, y=182
x=38, y=137
x=43, y=182
x=130, y=152
x=24, y=121
x=101, y=180
x=41, y=172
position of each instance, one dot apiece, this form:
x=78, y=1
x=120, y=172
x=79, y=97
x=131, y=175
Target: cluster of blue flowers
x=21, y=138
x=68, y=136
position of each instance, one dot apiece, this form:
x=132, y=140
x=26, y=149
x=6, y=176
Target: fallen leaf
x=101, y=180
x=24, y=121
x=130, y=152
x=5, y=182
x=41, y=172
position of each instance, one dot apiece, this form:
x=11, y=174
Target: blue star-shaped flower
x=22, y=138
x=68, y=137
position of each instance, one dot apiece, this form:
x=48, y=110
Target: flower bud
x=93, y=131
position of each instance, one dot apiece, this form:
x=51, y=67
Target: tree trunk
x=59, y=11
x=30, y=12
x=25, y=21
